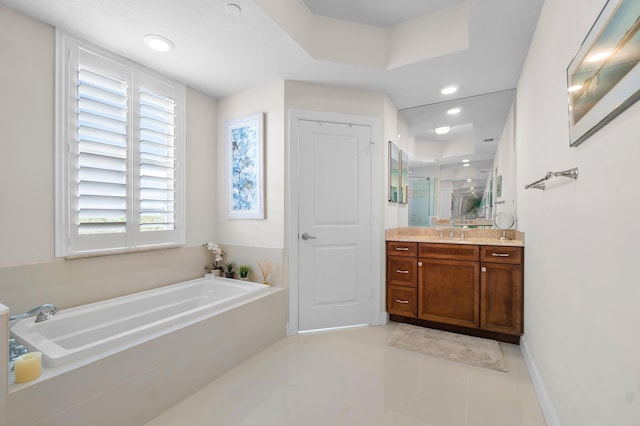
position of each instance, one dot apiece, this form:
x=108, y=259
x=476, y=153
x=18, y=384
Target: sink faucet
x=43, y=312
x=451, y=229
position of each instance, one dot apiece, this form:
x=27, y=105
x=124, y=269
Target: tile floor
x=350, y=377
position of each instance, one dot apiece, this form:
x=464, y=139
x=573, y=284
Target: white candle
x=28, y=367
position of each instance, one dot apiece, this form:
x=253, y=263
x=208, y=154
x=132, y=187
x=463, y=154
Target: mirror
x=504, y=221
x=461, y=160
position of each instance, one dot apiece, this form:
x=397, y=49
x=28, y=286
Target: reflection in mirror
x=454, y=168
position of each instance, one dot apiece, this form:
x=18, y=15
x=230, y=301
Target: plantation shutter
x=101, y=153
x=157, y=162
x=120, y=145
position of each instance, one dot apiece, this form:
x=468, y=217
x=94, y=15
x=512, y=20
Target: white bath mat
x=470, y=350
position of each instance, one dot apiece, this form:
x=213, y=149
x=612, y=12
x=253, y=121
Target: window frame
x=68, y=241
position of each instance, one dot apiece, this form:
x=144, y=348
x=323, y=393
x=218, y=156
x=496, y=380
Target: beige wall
x=267, y=99
x=29, y=272
x=581, y=264
x=247, y=241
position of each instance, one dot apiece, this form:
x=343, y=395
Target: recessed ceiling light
x=233, y=9
x=574, y=88
x=599, y=56
x=158, y=43
x=466, y=160
x=454, y=111
x=469, y=180
x=472, y=188
x=442, y=130
x=466, y=165
x=449, y=90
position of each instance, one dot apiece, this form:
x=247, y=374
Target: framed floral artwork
x=244, y=157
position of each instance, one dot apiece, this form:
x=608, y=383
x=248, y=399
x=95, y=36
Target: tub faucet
x=43, y=312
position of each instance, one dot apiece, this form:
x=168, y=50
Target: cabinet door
x=501, y=291
x=448, y=292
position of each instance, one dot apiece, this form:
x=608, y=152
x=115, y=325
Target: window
x=119, y=162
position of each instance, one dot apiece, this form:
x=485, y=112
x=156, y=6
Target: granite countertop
x=483, y=237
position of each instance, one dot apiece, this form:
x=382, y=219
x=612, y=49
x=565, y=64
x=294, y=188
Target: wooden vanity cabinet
x=402, y=274
x=466, y=288
x=501, y=288
x=448, y=284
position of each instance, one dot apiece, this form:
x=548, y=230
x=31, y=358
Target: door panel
x=335, y=266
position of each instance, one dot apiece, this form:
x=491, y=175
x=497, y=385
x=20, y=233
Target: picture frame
x=603, y=79
x=244, y=160
x=394, y=173
x=404, y=177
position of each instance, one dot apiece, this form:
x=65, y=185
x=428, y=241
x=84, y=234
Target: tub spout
x=43, y=312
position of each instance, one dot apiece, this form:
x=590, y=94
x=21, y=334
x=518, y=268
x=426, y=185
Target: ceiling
x=381, y=13
x=221, y=53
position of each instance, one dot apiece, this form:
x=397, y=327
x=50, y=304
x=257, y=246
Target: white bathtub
x=105, y=326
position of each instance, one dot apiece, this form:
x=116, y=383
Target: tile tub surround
x=68, y=283
x=471, y=236
x=133, y=386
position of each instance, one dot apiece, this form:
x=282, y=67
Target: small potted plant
x=228, y=269
x=243, y=270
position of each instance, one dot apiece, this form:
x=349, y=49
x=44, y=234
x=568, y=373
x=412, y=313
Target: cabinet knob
x=483, y=269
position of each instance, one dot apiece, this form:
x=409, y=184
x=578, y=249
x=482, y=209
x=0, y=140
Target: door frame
x=378, y=315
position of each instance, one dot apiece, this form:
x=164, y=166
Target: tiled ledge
x=471, y=236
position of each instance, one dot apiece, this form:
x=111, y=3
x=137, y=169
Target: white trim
x=550, y=415
x=295, y=115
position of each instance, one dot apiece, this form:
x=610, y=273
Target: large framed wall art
x=604, y=77
x=244, y=158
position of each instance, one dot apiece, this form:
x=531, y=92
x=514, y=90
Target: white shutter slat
x=101, y=136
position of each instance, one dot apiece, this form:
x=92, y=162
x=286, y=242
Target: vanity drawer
x=398, y=248
x=402, y=301
x=501, y=254
x=449, y=251
x=402, y=271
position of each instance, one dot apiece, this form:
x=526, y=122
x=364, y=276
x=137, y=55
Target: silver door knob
x=306, y=237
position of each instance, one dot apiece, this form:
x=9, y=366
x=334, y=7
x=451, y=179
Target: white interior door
x=335, y=228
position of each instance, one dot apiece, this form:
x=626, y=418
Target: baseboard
x=546, y=405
